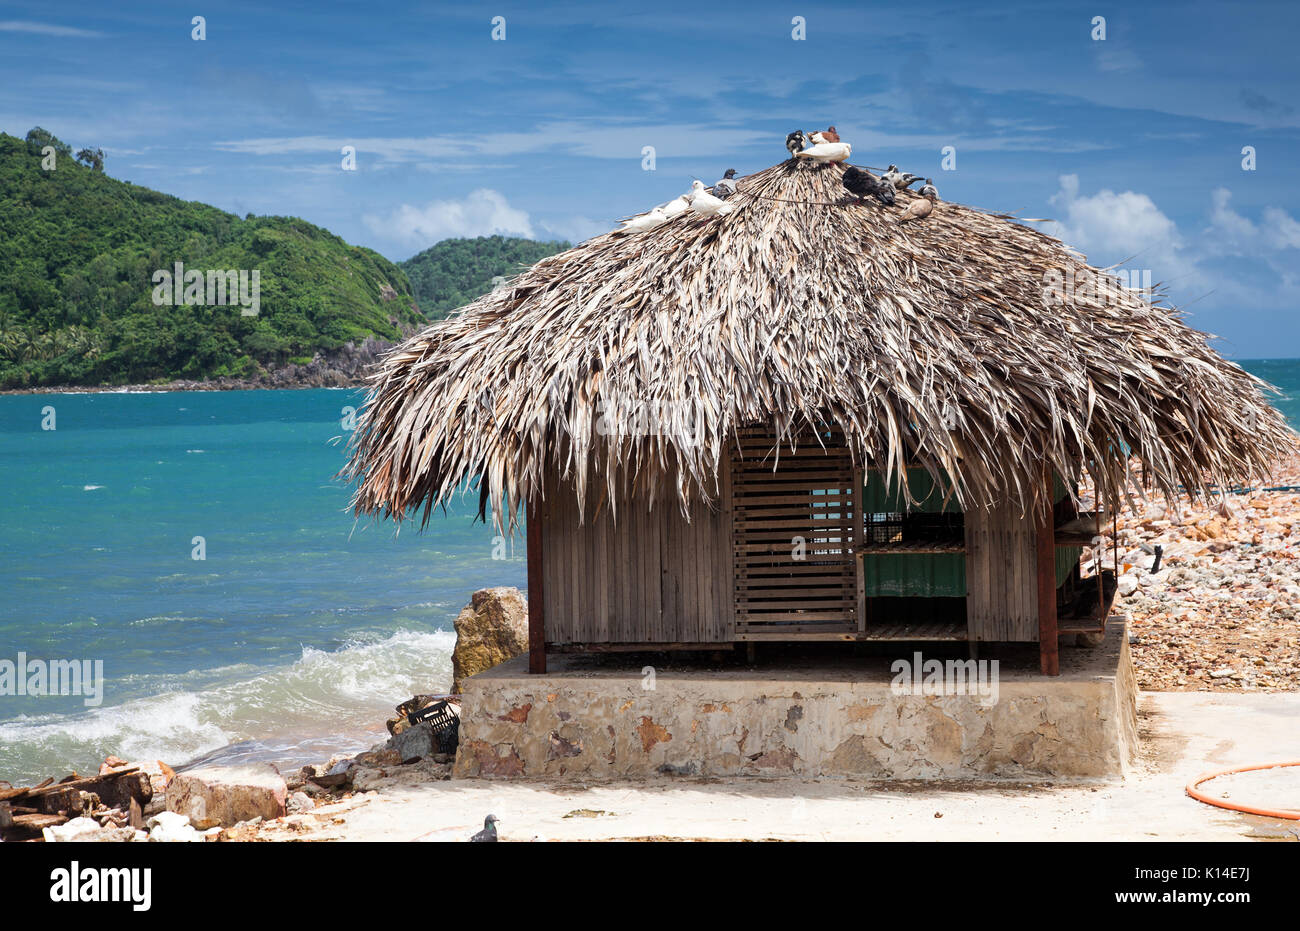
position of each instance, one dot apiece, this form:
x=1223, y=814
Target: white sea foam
x=91, y=487
x=323, y=699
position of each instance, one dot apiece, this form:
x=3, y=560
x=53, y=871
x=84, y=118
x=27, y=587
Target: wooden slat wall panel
x=776, y=496
x=644, y=577
x=1002, y=589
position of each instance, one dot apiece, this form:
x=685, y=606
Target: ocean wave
x=324, y=699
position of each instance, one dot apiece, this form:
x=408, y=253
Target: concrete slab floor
x=1183, y=735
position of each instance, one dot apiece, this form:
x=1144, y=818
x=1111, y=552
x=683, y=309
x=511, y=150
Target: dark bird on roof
x=826, y=135
x=929, y=190
x=796, y=142
x=489, y=832
x=863, y=184
x=724, y=187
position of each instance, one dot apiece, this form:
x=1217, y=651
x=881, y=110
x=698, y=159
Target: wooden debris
x=26, y=811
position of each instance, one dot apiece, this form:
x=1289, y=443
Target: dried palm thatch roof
x=937, y=343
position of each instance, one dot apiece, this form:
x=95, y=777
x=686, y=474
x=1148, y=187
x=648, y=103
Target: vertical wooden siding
x=640, y=576
x=1001, y=575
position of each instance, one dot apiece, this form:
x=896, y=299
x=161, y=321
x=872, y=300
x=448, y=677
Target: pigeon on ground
x=863, y=184
x=644, y=221
x=826, y=135
x=705, y=204
x=796, y=142
x=827, y=152
x=923, y=206
x=489, y=832
x=725, y=186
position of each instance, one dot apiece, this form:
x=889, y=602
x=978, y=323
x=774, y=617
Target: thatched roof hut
x=968, y=345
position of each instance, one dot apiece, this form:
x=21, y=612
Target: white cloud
x=481, y=213
x=578, y=139
x=47, y=29
x=1121, y=226
x=1238, y=235
x=1243, y=265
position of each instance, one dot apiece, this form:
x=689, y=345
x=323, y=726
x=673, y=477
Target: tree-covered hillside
x=79, y=252
x=456, y=271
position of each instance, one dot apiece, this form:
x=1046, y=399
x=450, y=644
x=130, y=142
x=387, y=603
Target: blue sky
x=1132, y=144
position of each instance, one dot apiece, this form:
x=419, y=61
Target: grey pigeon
x=863, y=184
x=489, y=833
x=725, y=186
x=905, y=179
x=796, y=142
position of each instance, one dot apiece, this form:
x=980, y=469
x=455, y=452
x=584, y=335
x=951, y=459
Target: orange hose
x=1194, y=792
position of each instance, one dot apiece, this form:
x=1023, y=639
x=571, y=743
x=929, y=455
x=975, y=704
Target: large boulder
x=220, y=795
x=491, y=629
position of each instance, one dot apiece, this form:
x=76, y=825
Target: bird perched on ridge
x=725, y=186
x=705, y=204
x=826, y=152
x=645, y=221
x=796, y=142
x=863, y=184
x=489, y=832
x=904, y=179
x=891, y=176
x=923, y=206
x=679, y=204
x=826, y=135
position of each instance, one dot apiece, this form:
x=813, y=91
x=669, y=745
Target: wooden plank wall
x=779, y=496
x=640, y=576
x=1001, y=575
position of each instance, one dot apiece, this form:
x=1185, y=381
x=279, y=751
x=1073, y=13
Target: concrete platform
x=848, y=715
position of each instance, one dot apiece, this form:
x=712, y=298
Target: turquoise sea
x=295, y=635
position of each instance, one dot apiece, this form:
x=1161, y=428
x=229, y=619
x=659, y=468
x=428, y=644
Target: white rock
x=78, y=829
x=171, y=827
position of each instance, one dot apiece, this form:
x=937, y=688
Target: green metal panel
x=940, y=575
x=928, y=493
x=1066, y=556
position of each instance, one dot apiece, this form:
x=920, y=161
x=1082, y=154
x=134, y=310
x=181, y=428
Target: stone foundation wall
x=844, y=720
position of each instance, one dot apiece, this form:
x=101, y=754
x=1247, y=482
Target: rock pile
x=1222, y=613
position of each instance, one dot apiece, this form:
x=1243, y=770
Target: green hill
x=456, y=271
x=79, y=252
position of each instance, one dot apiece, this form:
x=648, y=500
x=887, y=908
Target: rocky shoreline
x=149, y=801
x=346, y=368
